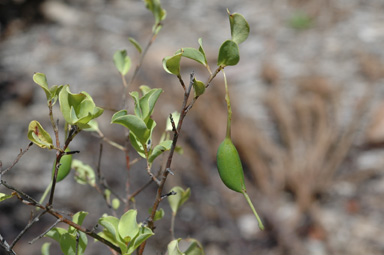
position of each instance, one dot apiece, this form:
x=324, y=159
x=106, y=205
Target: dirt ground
x=308, y=121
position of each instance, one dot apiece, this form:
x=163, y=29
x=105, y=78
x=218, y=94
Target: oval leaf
x=135, y=124
x=239, y=27
x=65, y=167
x=84, y=173
x=193, y=54
x=122, y=61
x=172, y=64
x=228, y=54
x=38, y=135
x=173, y=248
x=177, y=200
x=41, y=80
x=201, y=49
x=159, y=149
x=128, y=227
x=199, y=87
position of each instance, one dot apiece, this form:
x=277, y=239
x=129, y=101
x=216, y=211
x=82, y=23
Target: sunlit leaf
x=65, y=167
x=171, y=64
x=38, y=135
x=122, y=61
x=239, y=27
x=143, y=235
x=195, y=247
x=45, y=248
x=173, y=248
x=199, y=87
x=4, y=196
x=77, y=218
x=41, y=80
x=177, y=200
x=128, y=227
x=134, y=124
x=159, y=149
x=193, y=54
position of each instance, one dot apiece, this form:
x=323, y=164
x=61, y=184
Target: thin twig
x=45, y=232
x=5, y=245
x=29, y=225
x=21, y=153
x=176, y=133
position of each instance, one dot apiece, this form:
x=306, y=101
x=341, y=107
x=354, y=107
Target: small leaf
x=158, y=12
x=147, y=103
x=84, y=173
x=172, y=64
x=159, y=149
x=136, y=44
x=134, y=124
x=177, y=200
x=159, y=214
x=68, y=244
x=195, y=247
x=136, y=145
x=239, y=27
x=45, y=248
x=128, y=227
x=4, y=196
x=41, y=80
x=56, y=233
x=193, y=54
x=93, y=126
x=228, y=54
x=115, y=203
x=122, y=61
x=65, y=167
x=78, y=218
x=199, y=87
x=201, y=49
x=173, y=248
x=143, y=235
x=38, y=135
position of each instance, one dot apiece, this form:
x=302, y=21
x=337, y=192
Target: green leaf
x=68, y=244
x=110, y=231
x=201, y=49
x=78, y=109
x=199, y=87
x=173, y=248
x=122, y=61
x=143, y=235
x=147, y=103
x=65, y=167
x=134, y=123
x=193, y=54
x=45, y=248
x=159, y=149
x=38, y=135
x=78, y=218
x=228, y=54
x=159, y=214
x=136, y=145
x=177, y=200
x=158, y=12
x=171, y=64
x=93, y=126
x=115, y=203
x=4, y=196
x=195, y=247
x=128, y=227
x=56, y=233
x=136, y=44
x=84, y=173
x=41, y=80
x=239, y=27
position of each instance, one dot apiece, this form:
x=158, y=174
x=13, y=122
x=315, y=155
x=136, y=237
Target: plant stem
x=261, y=226
x=229, y=116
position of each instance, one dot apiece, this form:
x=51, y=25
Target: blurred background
x=308, y=102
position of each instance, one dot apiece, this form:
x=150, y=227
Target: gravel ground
x=73, y=42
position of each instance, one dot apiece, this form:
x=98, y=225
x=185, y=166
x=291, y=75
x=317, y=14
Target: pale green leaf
x=38, y=135
x=4, y=196
x=239, y=27
x=171, y=64
x=45, y=248
x=122, y=61
x=84, y=173
x=136, y=44
x=159, y=149
x=177, y=200
x=128, y=227
x=173, y=248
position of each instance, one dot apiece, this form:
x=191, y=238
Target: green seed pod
x=65, y=167
x=229, y=166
